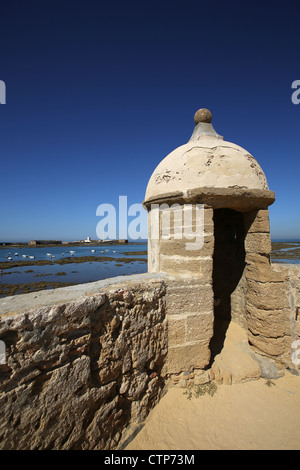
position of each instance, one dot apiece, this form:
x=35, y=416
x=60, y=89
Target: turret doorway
x=228, y=267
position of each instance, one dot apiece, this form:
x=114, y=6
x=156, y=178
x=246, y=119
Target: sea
x=77, y=273
x=119, y=262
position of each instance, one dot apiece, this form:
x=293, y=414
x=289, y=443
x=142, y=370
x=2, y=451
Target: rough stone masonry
x=82, y=373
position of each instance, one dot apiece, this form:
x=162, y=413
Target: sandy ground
x=247, y=416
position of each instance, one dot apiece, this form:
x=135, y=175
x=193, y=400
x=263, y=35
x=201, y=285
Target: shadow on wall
x=228, y=267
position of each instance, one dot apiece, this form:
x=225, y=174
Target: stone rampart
x=83, y=364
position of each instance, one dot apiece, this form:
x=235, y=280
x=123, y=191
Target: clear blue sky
x=98, y=93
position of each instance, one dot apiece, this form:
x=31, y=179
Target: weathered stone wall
x=179, y=250
x=265, y=300
x=190, y=325
x=82, y=373
x=85, y=364
x=176, y=245
x=266, y=296
x=291, y=284
x=272, y=294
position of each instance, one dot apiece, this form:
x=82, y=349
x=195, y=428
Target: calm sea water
x=73, y=272
x=83, y=272
x=292, y=244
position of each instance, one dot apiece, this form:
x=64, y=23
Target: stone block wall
x=272, y=294
x=177, y=246
x=83, y=370
x=82, y=373
x=184, y=250
x=291, y=285
x=265, y=300
x=190, y=325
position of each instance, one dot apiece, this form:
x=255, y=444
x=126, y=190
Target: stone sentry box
x=224, y=193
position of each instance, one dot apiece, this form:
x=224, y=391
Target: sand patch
x=242, y=416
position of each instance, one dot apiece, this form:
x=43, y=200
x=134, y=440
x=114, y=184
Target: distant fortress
x=59, y=242
x=44, y=242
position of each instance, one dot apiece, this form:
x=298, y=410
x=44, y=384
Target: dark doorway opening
x=228, y=267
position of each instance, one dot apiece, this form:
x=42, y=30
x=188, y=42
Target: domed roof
x=210, y=167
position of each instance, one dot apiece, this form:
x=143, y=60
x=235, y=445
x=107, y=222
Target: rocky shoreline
x=293, y=253
x=68, y=260
x=14, y=289
x=289, y=253
x=67, y=244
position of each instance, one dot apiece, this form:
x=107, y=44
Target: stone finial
x=202, y=115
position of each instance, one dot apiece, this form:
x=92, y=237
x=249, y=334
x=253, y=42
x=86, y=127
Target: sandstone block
x=186, y=357
x=257, y=221
x=189, y=298
x=199, y=327
x=269, y=323
x=202, y=247
x=257, y=259
x=268, y=295
x=272, y=347
x=201, y=268
x=265, y=273
x=258, y=243
x=176, y=332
